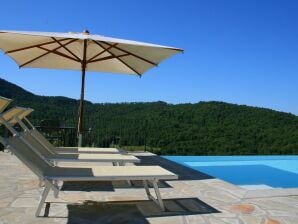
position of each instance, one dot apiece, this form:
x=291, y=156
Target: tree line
x=204, y=128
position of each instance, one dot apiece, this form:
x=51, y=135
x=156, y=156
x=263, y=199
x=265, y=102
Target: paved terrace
x=194, y=198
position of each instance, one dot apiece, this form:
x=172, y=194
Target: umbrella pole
x=81, y=117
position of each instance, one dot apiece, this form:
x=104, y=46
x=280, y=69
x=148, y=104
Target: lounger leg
x=156, y=189
x=41, y=183
x=158, y=199
x=147, y=189
x=56, y=191
x=42, y=200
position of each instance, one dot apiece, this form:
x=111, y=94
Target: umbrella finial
x=86, y=32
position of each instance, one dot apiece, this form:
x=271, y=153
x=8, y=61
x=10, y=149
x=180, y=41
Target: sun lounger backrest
x=27, y=156
x=25, y=112
x=44, y=141
x=37, y=146
x=8, y=115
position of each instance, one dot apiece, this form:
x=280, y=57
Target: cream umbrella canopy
x=82, y=51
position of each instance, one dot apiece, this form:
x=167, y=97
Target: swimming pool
x=250, y=172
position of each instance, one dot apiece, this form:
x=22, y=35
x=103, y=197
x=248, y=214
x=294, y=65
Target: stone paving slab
x=188, y=200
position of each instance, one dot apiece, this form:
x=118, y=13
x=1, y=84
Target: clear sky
x=237, y=51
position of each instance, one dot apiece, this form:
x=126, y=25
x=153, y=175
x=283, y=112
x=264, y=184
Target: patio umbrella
x=82, y=51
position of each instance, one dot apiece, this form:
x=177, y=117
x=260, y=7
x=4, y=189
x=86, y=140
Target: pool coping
x=261, y=193
x=276, y=192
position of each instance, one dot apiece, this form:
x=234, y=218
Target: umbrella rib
x=60, y=54
x=108, y=57
x=130, y=67
x=100, y=53
x=69, y=51
x=123, y=62
x=34, y=59
x=32, y=46
x=132, y=54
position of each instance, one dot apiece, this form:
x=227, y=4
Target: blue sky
x=237, y=51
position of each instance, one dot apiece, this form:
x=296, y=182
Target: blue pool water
x=272, y=171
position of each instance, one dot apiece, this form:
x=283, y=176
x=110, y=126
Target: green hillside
x=205, y=128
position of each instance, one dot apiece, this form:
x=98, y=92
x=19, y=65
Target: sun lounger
x=19, y=116
x=82, y=157
x=16, y=113
x=12, y=114
x=55, y=158
x=73, y=150
x=51, y=175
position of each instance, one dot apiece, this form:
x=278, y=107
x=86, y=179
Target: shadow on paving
x=139, y=184
x=134, y=211
x=184, y=173
x=87, y=186
x=91, y=186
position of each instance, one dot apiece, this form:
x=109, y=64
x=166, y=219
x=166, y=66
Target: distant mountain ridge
x=204, y=128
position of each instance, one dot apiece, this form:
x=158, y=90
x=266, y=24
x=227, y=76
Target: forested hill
x=205, y=128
